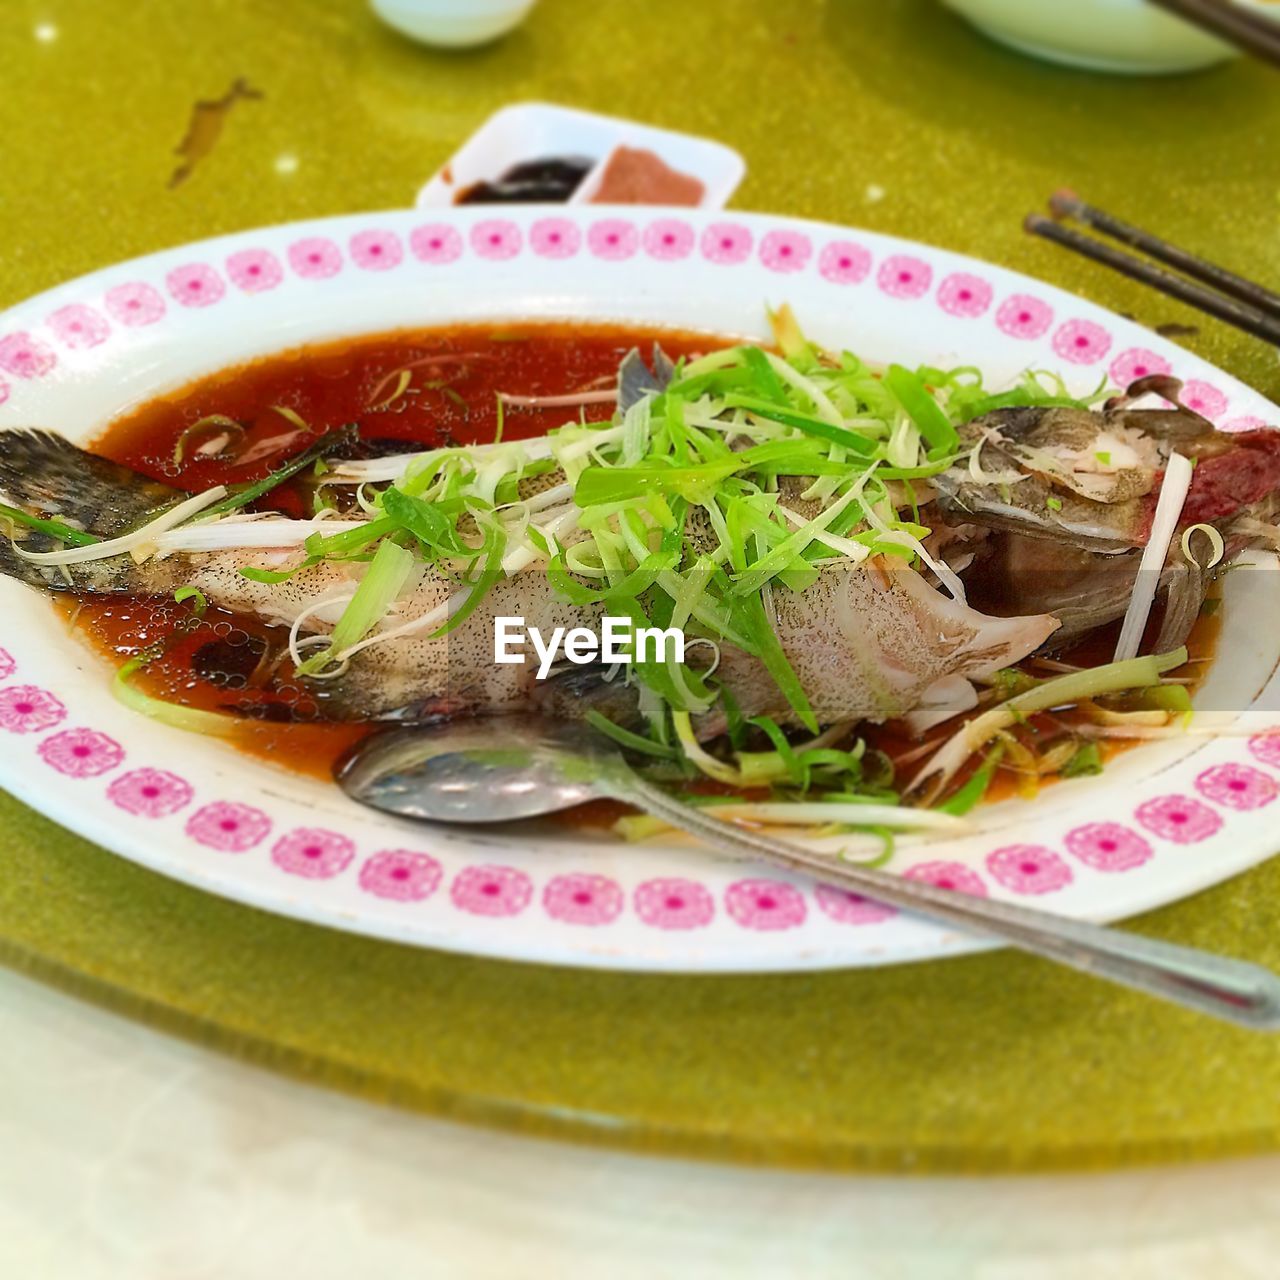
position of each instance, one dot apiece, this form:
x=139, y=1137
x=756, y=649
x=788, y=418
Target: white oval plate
x=1164, y=821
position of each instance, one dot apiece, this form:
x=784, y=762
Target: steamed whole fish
x=868, y=641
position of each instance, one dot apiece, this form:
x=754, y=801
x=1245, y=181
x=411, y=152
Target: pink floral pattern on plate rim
x=1217, y=794
x=788, y=249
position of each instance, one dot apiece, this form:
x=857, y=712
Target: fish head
x=1083, y=477
x=1066, y=498
x=1051, y=472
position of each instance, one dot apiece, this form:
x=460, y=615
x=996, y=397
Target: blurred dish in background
x=1128, y=36
x=453, y=23
x=625, y=162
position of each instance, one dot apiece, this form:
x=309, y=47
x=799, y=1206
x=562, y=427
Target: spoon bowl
x=474, y=772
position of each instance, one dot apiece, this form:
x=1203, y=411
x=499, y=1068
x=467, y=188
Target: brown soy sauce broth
x=228, y=663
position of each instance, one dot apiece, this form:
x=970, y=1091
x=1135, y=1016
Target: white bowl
x=453, y=23
x=1128, y=36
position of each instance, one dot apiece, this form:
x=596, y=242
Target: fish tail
x=45, y=475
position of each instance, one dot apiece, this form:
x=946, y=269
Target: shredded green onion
x=922, y=408
x=1086, y=762
x=402, y=379
x=54, y=528
x=969, y=795
x=291, y=416
x=207, y=428
x=1217, y=545
x=1067, y=690
x=631, y=741
x=193, y=720
x=377, y=592
x=192, y=593
x=327, y=444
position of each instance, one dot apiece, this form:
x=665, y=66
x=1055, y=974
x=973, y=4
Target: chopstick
x=1251, y=32
x=1066, y=204
x=1213, y=289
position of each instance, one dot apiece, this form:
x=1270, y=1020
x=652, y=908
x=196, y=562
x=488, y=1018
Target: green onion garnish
x=1086, y=761
x=912, y=394
x=54, y=528
x=377, y=592
x=325, y=445
x=200, y=604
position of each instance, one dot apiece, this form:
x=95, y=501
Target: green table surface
x=890, y=114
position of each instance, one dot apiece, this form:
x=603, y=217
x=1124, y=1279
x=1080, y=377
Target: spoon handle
x=1233, y=990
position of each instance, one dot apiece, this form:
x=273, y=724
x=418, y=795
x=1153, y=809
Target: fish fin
x=45, y=474
x=946, y=697
x=1000, y=642
x=572, y=691
x=991, y=642
x=664, y=367
x=635, y=380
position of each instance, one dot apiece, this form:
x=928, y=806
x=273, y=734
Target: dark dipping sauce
x=550, y=180
x=220, y=661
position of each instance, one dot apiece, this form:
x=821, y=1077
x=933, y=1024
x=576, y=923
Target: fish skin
x=867, y=641
x=1084, y=589
x=1023, y=506
x=1024, y=510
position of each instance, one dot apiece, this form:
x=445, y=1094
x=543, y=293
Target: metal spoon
x=496, y=770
